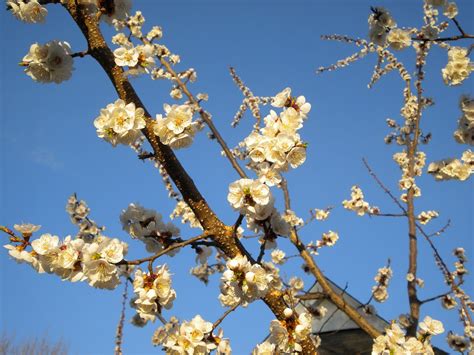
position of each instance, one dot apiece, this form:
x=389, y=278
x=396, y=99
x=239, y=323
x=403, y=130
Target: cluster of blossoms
x=321, y=215
x=426, y=216
x=448, y=169
x=278, y=256
x=458, y=342
x=449, y=8
x=328, y=239
x=382, y=278
x=203, y=269
x=448, y=302
x=194, y=337
x=380, y=24
x=147, y=225
x=49, y=63
x=459, y=66
x=292, y=219
x=407, y=182
x=177, y=128
x=277, y=146
x=251, y=197
x=138, y=59
x=79, y=214
x=186, y=213
x=459, y=169
x=120, y=123
x=357, y=203
x=89, y=256
x=254, y=199
x=27, y=11
x=285, y=335
x=465, y=132
x=395, y=342
x=153, y=292
x=243, y=282
x=461, y=270
x=399, y=39
x=74, y=259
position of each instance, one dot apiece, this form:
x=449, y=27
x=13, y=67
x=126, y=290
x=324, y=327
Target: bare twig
x=387, y=214
x=311, y=296
x=442, y=230
x=436, y=297
x=165, y=251
x=80, y=54
x=458, y=25
x=226, y=313
x=119, y=332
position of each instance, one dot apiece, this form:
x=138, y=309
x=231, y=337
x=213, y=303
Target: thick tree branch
x=337, y=299
x=223, y=235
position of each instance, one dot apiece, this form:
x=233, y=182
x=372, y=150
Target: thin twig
x=444, y=39
x=436, y=297
x=387, y=214
x=312, y=296
x=8, y=231
x=442, y=230
x=262, y=251
x=80, y=54
x=382, y=186
x=226, y=313
x=165, y=251
x=119, y=333
x=456, y=22
x=439, y=260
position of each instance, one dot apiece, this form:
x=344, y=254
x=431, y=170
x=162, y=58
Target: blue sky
x=49, y=149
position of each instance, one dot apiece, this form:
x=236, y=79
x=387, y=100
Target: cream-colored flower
x=431, y=326
x=399, y=39
x=450, y=10
x=120, y=123
x=45, y=243
x=126, y=57
x=278, y=256
x=30, y=11
x=49, y=63
x=27, y=229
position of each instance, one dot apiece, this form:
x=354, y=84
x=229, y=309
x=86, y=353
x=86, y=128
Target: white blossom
x=380, y=23
x=450, y=10
x=399, y=39
x=153, y=292
x=243, y=282
x=431, y=326
x=28, y=11
x=176, y=129
x=251, y=197
x=278, y=256
x=26, y=229
x=458, y=68
x=49, y=63
x=120, y=123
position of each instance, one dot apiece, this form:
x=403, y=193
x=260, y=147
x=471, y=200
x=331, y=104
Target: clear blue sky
x=49, y=149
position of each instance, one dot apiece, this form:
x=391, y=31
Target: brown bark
x=222, y=234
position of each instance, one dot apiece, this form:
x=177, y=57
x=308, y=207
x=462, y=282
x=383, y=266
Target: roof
x=339, y=334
